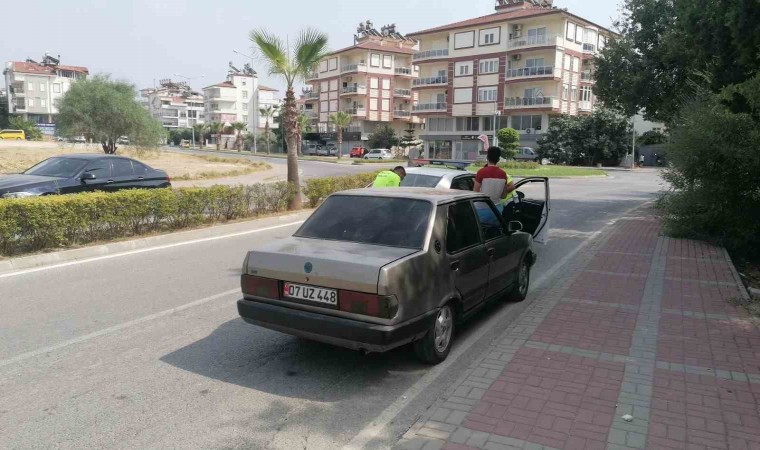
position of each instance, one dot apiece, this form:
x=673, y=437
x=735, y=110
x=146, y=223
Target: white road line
x=146, y=250
x=374, y=429
x=87, y=337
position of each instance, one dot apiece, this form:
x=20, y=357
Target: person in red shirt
x=494, y=182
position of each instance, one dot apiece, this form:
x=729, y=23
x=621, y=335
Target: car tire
x=435, y=346
x=520, y=290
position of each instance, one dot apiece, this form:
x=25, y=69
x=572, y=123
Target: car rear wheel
x=520, y=290
x=434, y=347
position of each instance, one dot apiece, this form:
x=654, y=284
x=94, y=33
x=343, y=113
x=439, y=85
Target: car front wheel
x=520, y=290
x=434, y=347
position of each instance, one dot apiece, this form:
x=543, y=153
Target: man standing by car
x=390, y=178
x=494, y=182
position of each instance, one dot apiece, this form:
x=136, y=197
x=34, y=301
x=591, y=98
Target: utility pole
x=633, y=145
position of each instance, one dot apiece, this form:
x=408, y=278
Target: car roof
x=437, y=196
x=90, y=156
x=436, y=172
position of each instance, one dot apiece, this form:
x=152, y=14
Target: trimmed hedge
x=318, y=189
x=34, y=224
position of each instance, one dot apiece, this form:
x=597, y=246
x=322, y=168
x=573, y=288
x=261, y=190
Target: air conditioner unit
x=516, y=57
x=517, y=27
x=530, y=131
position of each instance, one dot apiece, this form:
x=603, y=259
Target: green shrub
x=318, y=189
x=506, y=165
x=33, y=224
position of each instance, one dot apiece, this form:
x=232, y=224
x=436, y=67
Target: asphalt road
x=147, y=350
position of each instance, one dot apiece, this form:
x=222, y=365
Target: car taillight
x=260, y=287
x=385, y=306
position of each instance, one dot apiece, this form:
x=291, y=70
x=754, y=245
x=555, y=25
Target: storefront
x=467, y=147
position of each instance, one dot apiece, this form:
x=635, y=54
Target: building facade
x=34, y=90
x=238, y=99
x=518, y=68
x=174, y=104
x=371, y=80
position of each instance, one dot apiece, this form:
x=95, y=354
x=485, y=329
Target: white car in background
x=379, y=153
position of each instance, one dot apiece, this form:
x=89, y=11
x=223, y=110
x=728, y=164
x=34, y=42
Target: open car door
x=533, y=208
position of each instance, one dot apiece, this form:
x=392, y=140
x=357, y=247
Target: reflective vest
x=510, y=195
x=387, y=178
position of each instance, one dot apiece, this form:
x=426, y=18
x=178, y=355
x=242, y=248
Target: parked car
x=123, y=140
x=374, y=269
x=357, y=152
x=79, y=140
x=527, y=154
x=328, y=150
x=431, y=177
x=379, y=153
x=16, y=135
x=71, y=174
x=184, y=143
x=312, y=149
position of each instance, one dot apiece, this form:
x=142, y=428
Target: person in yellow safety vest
x=390, y=178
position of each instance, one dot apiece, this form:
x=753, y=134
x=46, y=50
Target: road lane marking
x=146, y=250
x=115, y=328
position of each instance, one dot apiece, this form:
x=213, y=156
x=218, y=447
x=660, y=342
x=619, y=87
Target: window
x=245, y=94
x=324, y=106
x=534, y=62
x=464, y=40
x=121, y=168
x=43, y=87
x=333, y=85
x=62, y=167
x=387, y=61
x=463, y=95
x=574, y=93
x=490, y=224
x=537, y=35
x=490, y=36
x=488, y=66
x=374, y=60
x=488, y=123
x=393, y=222
x=374, y=83
x=586, y=94
x=466, y=183
x=440, y=124
x=43, y=103
x=332, y=64
x=565, y=91
x=101, y=168
x=534, y=92
x=31, y=102
x=578, y=34
x=323, y=66
x=567, y=62
x=386, y=105
x=386, y=83
x=140, y=169
x=324, y=86
x=523, y=123
x=245, y=118
x=463, y=68
x=245, y=106
x=461, y=228
x=31, y=86
x=487, y=94
x=570, y=31
x=244, y=82
x=468, y=124
x=418, y=180
x=576, y=64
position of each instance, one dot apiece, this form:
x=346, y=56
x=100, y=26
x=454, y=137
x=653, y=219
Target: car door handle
x=109, y=182
x=455, y=266
x=140, y=178
x=491, y=251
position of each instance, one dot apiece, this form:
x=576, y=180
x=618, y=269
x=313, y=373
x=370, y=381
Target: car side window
x=121, y=168
x=462, y=228
x=489, y=221
x=463, y=184
x=100, y=167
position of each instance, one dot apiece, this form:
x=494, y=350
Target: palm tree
x=304, y=126
x=199, y=129
x=293, y=64
x=341, y=120
x=217, y=128
x=239, y=127
x=268, y=112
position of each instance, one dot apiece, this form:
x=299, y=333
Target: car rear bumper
x=352, y=334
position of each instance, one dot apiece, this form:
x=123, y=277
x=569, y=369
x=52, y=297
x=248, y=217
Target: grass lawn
x=17, y=157
x=551, y=171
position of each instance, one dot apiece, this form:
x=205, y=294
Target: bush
x=41, y=223
x=30, y=128
x=318, y=189
x=509, y=141
x=506, y=165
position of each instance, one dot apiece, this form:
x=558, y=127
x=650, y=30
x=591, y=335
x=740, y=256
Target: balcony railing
x=589, y=48
x=531, y=102
x=533, y=41
x=429, y=107
x=356, y=111
x=587, y=76
x=361, y=67
x=431, y=54
x=312, y=95
x=545, y=71
x=402, y=92
x=407, y=71
x=402, y=114
x=360, y=90
x=584, y=106
x=310, y=113
x=313, y=76
x=431, y=81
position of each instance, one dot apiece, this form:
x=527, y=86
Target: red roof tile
x=367, y=45
x=34, y=68
x=222, y=84
x=267, y=88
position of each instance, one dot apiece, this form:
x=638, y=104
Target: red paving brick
x=709, y=270
x=589, y=327
x=552, y=399
x=700, y=297
x=621, y=263
x=607, y=288
x=718, y=344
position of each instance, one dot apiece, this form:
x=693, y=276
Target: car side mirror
x=88, y=176
x=514, y=226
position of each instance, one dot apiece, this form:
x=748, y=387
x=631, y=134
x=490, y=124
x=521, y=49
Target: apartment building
x=518, y=67
x=35, y=88
x=371, y=80
x=174, y=104
x=238, y=99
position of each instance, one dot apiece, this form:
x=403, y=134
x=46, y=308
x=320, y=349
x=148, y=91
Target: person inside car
x=494, y=182
x=390, y=178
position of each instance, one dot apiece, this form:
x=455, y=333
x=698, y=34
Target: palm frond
x=270, y=49
x=311, y=46
x=341, y=119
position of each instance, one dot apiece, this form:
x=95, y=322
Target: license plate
x=311, y=294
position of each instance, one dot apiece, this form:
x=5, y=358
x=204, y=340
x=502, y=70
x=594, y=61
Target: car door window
x=462, y=228
x=490, y=224
x=140, y=169
x=100, y=167
x=463, y=184
x=121, y=168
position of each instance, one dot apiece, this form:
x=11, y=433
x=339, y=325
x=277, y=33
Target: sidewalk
x=641, y=326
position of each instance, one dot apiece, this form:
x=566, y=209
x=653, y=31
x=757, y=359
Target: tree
x=216, y=129
x=304, y=126
x=409, y=140
x=509, y=140
x=268, y=112
x=668, y=48
x=4, y=115
x=293, y=64
x=30, y=128
x=603, y=137
x=341, y=120
x=239, y=127
x=652, y=137
x=104, y=110
x=383, y=137
x=200, y=129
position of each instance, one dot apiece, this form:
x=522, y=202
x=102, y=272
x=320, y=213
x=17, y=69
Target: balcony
x=532, y=41
x=531, y=102
x=429, y=107
x=531, y=72
x=431, y=54
x=312, y=95
x=589, y=48
x=400, y=114
x=402, y=92
x=587, y=76
x=584, y=106
x=354, y=90
x=358, y=112
x=311, y=114
x=352, y=68
x=312, y=76
x=431, y=81
x=403, y=71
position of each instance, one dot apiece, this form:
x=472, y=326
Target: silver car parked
x=374, y=269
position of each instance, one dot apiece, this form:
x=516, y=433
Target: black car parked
x=70, y=174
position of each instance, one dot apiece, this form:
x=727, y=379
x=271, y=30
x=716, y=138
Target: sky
x=142, y=41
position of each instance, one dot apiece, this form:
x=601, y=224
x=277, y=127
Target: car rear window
x=393, y=222
x=417, y=180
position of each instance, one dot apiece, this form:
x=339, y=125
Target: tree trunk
x=340, y=142
x=291, y=136
x=266, y=133
x=218, y=141
x=109, y=146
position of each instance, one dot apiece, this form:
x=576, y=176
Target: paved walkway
x=641, y=327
